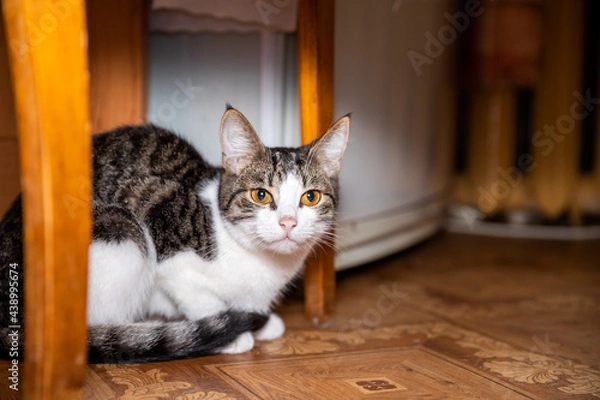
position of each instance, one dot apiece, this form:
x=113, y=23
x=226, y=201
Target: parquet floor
x=458, y=317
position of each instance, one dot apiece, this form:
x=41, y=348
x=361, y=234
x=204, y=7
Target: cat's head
x=282, y=200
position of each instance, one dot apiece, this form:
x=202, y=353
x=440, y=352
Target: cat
x=188, y=259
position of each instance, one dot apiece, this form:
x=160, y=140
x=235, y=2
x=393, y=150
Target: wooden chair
x=48, y=43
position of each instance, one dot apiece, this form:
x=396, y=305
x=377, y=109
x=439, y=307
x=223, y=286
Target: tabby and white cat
x=187, y=259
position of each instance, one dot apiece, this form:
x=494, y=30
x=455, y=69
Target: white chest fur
x=238, y=278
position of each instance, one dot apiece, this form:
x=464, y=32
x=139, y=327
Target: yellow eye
x=311, y=198
x=260, y=196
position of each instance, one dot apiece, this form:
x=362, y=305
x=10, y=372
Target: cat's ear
x=330, y=147
x=240, y=144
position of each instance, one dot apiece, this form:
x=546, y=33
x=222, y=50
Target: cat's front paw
x=273, y=329
x=242, y=344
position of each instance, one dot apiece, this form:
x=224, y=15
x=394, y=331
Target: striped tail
x=156, y=341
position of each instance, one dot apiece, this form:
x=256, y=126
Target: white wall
x=224, y=68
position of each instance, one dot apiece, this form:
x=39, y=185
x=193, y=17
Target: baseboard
x=360, y=242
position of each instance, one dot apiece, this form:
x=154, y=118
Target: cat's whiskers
x=329, y=238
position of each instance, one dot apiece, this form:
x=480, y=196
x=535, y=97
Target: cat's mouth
x=286, y=239
x=286, y=245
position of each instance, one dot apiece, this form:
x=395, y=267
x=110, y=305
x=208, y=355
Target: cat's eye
x=260, y=196
x=311, y=198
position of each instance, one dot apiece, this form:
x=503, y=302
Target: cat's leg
x=273, y=329
x=242, y=344
x=160, y=305
x=122, y=267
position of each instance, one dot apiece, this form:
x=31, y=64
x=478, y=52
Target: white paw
x=273, y=329
x=242, y=344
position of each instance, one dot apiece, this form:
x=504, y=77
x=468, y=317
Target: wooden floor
x=458, y=317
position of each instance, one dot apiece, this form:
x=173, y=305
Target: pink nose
x=288, y=223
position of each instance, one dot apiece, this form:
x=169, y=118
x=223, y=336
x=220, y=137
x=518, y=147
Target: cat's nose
x=288, y=223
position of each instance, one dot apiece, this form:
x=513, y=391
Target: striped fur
x=183, y=261
x=154, y=341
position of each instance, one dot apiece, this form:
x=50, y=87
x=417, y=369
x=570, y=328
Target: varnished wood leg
x=48, y=57
x=315, y=47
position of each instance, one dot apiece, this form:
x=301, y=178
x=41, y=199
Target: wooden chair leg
x=315, y=54
x=48, y=58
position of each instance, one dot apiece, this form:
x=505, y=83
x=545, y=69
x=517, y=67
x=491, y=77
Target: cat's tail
x=155, y=341
x=151, y=341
